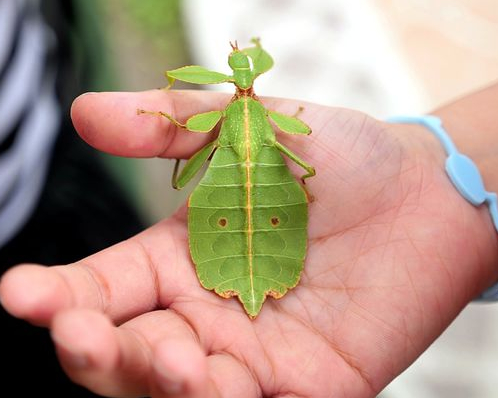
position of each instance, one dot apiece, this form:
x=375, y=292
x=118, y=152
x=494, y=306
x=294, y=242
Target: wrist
x=429, y=151
x=472, y=123
x=419, y=142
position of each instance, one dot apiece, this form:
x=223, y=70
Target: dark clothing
x=81, y=210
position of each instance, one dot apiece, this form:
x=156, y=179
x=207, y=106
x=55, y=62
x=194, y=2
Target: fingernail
x=78, y=361
x=167, y=382
x=72, y=359
x=172, y=388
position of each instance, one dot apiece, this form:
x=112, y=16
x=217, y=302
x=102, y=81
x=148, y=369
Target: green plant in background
x=160, y=22
x=248, y=216
x=109, y=34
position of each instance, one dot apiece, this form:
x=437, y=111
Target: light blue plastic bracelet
x=464, y=175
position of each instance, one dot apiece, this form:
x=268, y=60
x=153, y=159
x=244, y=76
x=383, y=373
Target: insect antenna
x=234, y=45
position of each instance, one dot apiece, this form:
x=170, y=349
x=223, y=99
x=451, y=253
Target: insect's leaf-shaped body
x=248, y=216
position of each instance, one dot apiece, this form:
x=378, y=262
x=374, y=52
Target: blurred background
x=383, y=57
x=379, y=56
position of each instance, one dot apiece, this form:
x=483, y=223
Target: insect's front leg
x=200, y=123
x=162, y=114
x=289, y=124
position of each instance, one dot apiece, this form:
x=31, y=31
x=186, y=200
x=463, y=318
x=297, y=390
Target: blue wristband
x=464, y=175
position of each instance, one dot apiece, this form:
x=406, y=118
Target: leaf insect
x=247, y=218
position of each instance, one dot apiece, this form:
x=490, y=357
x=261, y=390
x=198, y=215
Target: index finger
x=122, y=281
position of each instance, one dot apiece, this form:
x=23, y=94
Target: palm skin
x=394, y=254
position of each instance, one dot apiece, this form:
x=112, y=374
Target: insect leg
x=299, y=110
x=289, y=124
x=193, y=165
x=292, y=156
x=163, y=114
x=200, y=123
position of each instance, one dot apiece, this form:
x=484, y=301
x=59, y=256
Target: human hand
x=394, y=254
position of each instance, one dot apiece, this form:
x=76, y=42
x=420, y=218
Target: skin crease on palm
x=394, y=254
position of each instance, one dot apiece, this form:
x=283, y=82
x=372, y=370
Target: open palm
x=394, y=254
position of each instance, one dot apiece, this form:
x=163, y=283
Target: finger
x=121, y=281
x=33, y=293
x=114, y=281
x=109, y=121
x=154, y=352
x=87, y=347
x=230, y=378
x=181, y=369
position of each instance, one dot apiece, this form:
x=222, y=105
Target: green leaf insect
x=248, y=216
